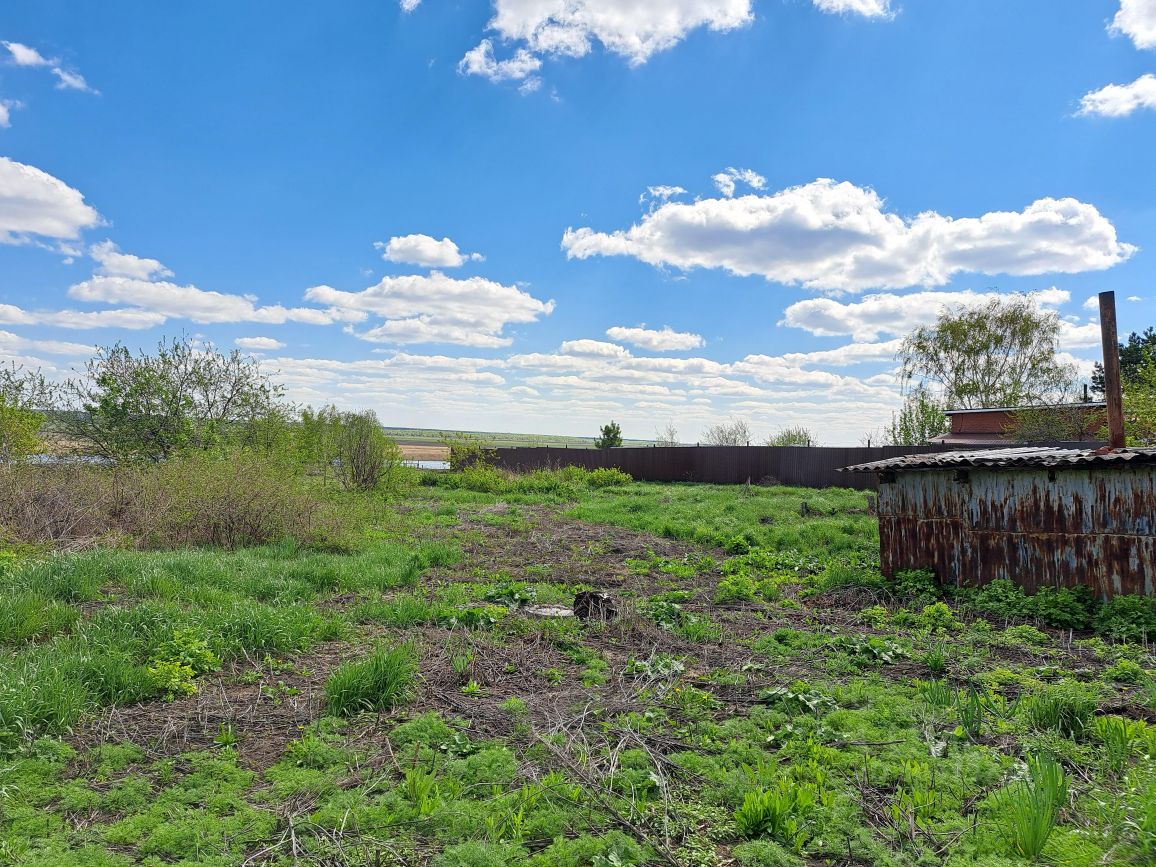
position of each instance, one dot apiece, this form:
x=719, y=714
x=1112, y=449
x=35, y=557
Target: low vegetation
x=356, y=676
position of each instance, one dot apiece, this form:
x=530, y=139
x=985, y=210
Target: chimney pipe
x=1112, y=392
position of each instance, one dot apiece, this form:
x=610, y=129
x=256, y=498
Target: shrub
x=382, y=681
x=608, y=477
x=915, y=585
x=1125, y=671
x=937, y=617
x=199, y=499
x=1127, y=618
x=1060, y=608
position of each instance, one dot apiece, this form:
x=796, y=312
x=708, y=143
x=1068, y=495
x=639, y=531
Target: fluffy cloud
x=726, y=180
x=34, y=203
x=128, y=318
x=66, y=79
x=198, y=305
x=836, y=236
x=480, y=60
x=425, y=251
x=258, y=343
x=13, y=344
x=866, y=8
x=1136, y=19
x=113, y=263
x=435, y=308
x=1120, y=100
x=876, y=315
x=594, y=348
x=666, y=340
x=633, y=30
x=409, y=5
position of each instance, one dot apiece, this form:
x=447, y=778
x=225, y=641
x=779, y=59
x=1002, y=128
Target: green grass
x=775, y=702
x=381, y=681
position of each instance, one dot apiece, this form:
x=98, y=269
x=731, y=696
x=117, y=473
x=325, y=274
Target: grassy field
x=761, y=696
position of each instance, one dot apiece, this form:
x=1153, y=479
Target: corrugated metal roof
x=1033, y=456
x=1092, y=404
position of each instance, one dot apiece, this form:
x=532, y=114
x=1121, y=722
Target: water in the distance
x=428, y=465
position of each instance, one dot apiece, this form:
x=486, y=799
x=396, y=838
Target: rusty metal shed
x=1043, y=517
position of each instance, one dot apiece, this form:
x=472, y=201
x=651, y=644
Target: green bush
x=1060, y=608
x=1127, y=618
x=608, y=477
x=382, y=681
x=917, y=586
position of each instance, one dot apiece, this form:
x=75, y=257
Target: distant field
x=430, y=437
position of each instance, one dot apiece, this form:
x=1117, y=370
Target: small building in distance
x=1069, y=422
x=1041, y=517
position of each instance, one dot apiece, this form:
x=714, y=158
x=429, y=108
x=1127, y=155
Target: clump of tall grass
x=381, y=681
x=1066, y=707
x=1027, y=811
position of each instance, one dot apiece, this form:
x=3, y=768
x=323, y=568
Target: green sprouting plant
x=472, y=688
x=658, y=666
x=1023, y=634
x=935, y=658
x=176, y=663
x=1125, y=671
x=970, y=707
x=938, y=618
x=869, y=650
x=779, y=812
x=917, y=586
x=1066, y=707
x=736, y=588
x=512, y=594
x=421, y=789
x=875, y=616
x=797, y=697
x=379, y=682
x=938, y=694
x=1027, y=812
x=1118, y=736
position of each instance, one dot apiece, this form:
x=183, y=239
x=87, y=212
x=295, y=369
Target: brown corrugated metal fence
x=803, y=466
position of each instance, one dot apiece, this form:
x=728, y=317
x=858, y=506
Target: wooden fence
x=802, y=466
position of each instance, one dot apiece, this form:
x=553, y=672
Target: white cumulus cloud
x=1120, y=100
x=34, y=203
x=114, y=263
x=1136, y=19
x=409, y=5
x=7, y=106
x=436, y=308
x=424, y=250
x=831, y=235
x=258, y=343
x=664, y=340
x=594, y=348
x=888, y=314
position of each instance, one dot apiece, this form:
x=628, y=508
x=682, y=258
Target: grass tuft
x=381, y=681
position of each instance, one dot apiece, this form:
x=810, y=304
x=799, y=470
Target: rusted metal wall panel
x=1034, y=526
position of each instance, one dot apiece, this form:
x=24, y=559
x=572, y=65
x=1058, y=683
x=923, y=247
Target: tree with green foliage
x=366, y=457
x=1136, y=354
x=920, y=418
x=1003, y=353
x=793, y=436
x=24, y=397
x=610, y=436
x=184, y=396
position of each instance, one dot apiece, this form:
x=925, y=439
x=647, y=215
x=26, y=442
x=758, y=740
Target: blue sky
x=535, y=215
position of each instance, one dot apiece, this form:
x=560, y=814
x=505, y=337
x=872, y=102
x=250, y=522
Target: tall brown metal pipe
x=1112, y=392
